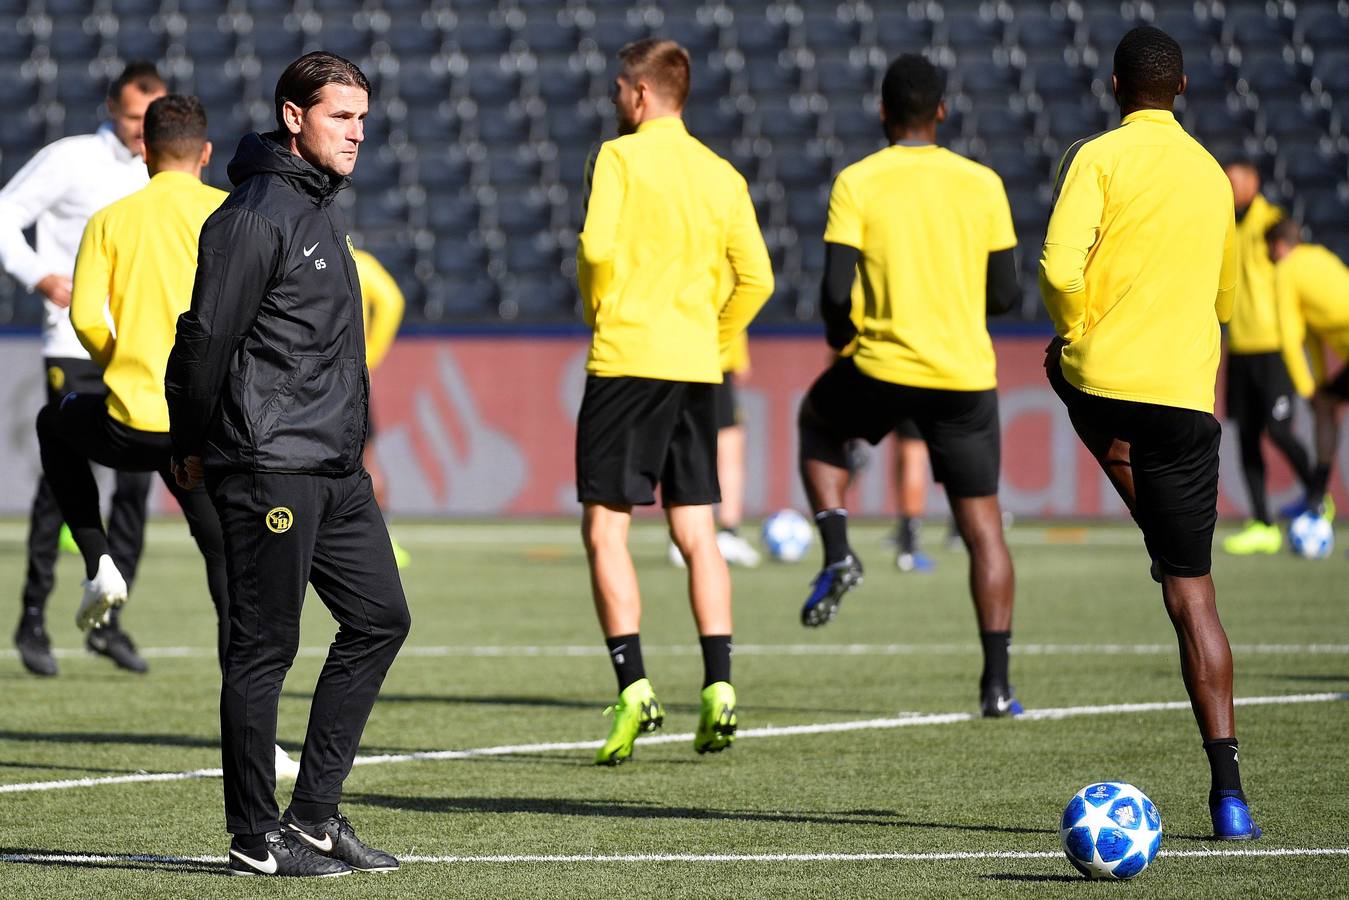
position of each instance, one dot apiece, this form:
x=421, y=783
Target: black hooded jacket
x=268, y=369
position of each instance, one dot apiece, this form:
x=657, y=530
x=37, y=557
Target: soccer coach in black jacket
x=268, y=392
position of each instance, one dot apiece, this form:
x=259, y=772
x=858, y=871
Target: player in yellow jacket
x=1312, y=292
x=133, y=278
x=1259, y=394
x=664, y=215
x=382, y=305
x=1139, y=269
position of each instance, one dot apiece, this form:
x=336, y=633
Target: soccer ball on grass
x=1311, y=536
x=1110, y=830
x=787, y=535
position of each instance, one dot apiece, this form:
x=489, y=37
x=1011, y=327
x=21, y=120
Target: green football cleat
x=637, y=712
x=1256, y=537
x=716, y=718
x=66, y=541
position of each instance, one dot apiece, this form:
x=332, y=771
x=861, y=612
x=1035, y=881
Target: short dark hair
x=662, y=64
x=1148, y=66
x=175, y=126
x=1285, y=230
x=305, y=78
x=141, y=73
x=911, y=90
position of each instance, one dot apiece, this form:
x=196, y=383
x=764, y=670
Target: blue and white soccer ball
x=1312, y=536
x=787, y=535
x=1110, y=830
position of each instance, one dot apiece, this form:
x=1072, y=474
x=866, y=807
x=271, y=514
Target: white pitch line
x=508, y=651
x=904, y=721
x=956, y=856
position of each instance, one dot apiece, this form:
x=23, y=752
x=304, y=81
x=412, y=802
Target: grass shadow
x=625, y=810
x=48, y=858
x=514, y=700
x=1034, y=879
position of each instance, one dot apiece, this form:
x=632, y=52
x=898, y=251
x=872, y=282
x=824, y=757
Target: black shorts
x=82, y=420
x=960, y=427
x=1173, y=454
x=68, y=375
x=1339, y=385
x=908, y=431
x=1259, y=389
x=728, y=402
x=635, y=433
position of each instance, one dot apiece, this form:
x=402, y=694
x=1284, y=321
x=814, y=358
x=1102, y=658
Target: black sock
x=250, y=841
x=716, y=658
x=908, y=533
x=996, y=644
x=733, y=530
x=312, y=812
x=625, y=652
x=833, y=526
x=1222, y=763
x=93, y=544
x=1316, y=488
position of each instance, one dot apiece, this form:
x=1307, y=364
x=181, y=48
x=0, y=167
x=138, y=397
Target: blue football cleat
x=914, y=562
x=1232, y=818
x=828, y=589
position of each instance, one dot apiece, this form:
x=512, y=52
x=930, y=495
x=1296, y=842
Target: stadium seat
x=491, y=84
x=1252, y=26
x=562, y=80
x=548, y=33
x=1326, y=209
x=693, y=35
x=981, y=76
x=538, y=297
x=804, y=170
x=767, y=75
x=844, y=77
x=614, y=29
x=513, y=169
x=504, y=125
x=452, y=214
x=1043, y=28
x=1310, y=167
x=976, y=32
x=897, y=32
x=470, y=297
x=73, y=40
x=1331, y=69
x=522, y=212
x=1321, y=27
x=479, y=38
x=759, y=34
x=785, y=117
x=827, y=28
x=715, y=121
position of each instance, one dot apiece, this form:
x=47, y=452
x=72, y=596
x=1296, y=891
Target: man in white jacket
x=56, y=193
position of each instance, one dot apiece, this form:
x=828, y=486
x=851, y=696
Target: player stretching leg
x=922, y=352
x=56, y=193
x=268, y=398
x=663, y=217
x=1312, y=287
x=1139, y=268
x=1259, y=391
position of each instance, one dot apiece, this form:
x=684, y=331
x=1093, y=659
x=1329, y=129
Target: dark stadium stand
x=484, y=111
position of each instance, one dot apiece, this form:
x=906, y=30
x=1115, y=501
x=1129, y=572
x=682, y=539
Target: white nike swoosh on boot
x=323, y=846
x=265, y=866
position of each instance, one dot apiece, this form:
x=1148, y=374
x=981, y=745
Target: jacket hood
x=266, y=154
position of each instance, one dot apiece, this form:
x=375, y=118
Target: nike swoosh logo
x=323, y=846
x=265, y=866
x=311, y=249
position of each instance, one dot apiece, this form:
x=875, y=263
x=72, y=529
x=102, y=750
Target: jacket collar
x=664, y=123
x=1165, y=116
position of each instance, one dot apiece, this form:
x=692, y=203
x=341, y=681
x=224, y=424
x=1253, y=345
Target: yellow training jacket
x=1140, y=263
x=382, y=305
x=663, y=217
x=1312, y=289
x=138, y=258
x=1255, y=322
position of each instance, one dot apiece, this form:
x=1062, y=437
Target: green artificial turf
x=505, y=651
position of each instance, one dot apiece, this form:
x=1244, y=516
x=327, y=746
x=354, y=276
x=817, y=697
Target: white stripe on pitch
x=957, y=856
x=746, y=733
x=508, y=651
